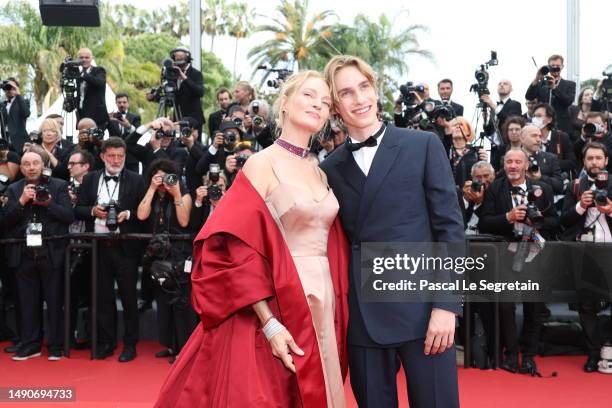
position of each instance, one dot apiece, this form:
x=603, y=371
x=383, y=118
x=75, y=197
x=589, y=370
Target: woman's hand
x=283, y=345
x=156, y=181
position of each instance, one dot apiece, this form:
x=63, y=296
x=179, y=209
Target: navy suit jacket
x=408, y=196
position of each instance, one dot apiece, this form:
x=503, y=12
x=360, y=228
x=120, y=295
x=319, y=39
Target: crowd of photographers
x=535, y=176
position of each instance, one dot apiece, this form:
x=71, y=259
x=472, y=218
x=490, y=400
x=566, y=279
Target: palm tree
x=297, y=39
x=240, y=25
x=214, y=19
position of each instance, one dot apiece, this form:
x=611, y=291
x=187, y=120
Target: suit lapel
x=348, y=168
x=383, y=160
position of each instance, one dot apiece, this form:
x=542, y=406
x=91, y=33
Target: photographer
x=504, y=108
x=123, y=123
x=511, y=138
x=49, y=136
x=225, y=141
x=462, y=156
x=587, y=218
x=531, y=104
x=548, y=87
x=92, y=91
x=471, y=195
x=244, y=93
x=162, y=144
x=414, y=101
x=554, y=140
x=207, y=197
x=107, y=202
x=258, y=126
x=234, y=162
x=445, y=90
x=579, y=112
x=90, y=138
x=543, y=166
x=165, y=209
x=190, y=86
x=15, y=111
x=505, y=212
x=38, y=206
x=336, y=137
x=215, y=118
x=595, y=129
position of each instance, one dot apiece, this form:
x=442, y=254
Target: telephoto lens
x=111, y=217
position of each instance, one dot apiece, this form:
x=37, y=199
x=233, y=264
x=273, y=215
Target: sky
x=461, y=36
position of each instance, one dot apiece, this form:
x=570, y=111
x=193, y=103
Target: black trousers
x=113, y=264
x=38, y=281
x=80, y=287
x=530, y=334
x=432, y=380
x=175, y=320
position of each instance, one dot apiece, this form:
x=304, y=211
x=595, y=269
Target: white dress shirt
x=105, y=191
x=365, y=155
x=597, y=220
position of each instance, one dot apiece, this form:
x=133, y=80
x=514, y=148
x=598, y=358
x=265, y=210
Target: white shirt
x=499, y=107
x=547, y=140
x=596, y=219
x=517, y=200
x=365, y=156
x=104, y=197
x=82, y=87
x=472, y=224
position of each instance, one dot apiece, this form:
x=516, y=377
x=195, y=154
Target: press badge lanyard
x=34, y=230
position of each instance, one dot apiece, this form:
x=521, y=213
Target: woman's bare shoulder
x=258, y=170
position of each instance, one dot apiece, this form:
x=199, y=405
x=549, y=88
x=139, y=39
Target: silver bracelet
x=272, y=328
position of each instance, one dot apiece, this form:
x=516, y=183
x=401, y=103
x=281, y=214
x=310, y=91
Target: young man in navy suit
x=393, y=185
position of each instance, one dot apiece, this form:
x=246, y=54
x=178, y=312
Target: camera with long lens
x=170, y=179
x=444, y=111
x=42, y=188
x=407, y=93
x=214, y=174
x=590, y=129
x=184, y=128
x=481, y=87
x=6, y=85
x=112, y=213
x=546, y=70
x=69, y=74
x=601, y=188
x=533, y=213
x=281, y=75
x=258, y=121
x=534, y=167
x=95, y=133
x=35, y=137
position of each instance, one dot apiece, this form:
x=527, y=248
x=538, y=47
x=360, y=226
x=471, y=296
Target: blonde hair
x=468, y=133
x=247, y=85
x=51, y=124
x=290, y=87
x=340, y=62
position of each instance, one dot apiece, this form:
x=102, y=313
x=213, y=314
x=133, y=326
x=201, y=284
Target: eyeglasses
x=75, y=163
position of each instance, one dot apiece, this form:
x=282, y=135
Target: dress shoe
x=591, y=364
x=54, y=355
x=528, y=366
x=104, y=351
x=128, y=354
x=510, y=364
x=164, y=353
x=25, y=354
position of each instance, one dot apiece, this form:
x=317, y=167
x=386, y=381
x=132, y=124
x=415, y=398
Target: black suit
x=550, y=170
x=115, y=260
x=510, y=108
x=15, y=122
x=39, y=272
x=606, y=140
x=561, y=145
x=189, y=95
x=117, y=129
x=562, y=98
x=214, y=121
x=93, y=98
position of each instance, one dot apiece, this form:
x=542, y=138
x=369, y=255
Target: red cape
x=240, y=257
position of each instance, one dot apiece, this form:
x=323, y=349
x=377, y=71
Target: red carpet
x=135, y=384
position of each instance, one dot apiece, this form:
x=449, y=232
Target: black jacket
x=562, y=98
x=550, y=170
x=561, y=145
x=15, y=122
x=510, y=108
x=55, y=219
x=94, y=102
x=190, y=91
x=214, y=121
x=498, y=201
x=131, y=192
x=606, y=140
x=572, y=222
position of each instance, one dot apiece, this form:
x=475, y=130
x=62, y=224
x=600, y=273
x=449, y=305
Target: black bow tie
x=369, y=142
x=109, y=178
x=500, y=103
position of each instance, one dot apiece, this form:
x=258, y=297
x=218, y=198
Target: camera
x=444, y=111
x=214, y=192
x=214, y=170
x=533, y=213
x=185, y=128
x=42, y=188
x=6, y=86
x=476, y=186
x=590, y=129
x=112, y=211
x=70, y=72
x=74, y=187
x=70, y=69
x=601, y=186
x=170, y=179
x=482, y=76
x=241, y=160
x=237, y=122
x=534, y=167
x=229, y=138
x=158, y=248
x=161, y=133
x=35, y=137
x=95, y=133
x=258, y=120
x=281, y=75
x=169, y=71
x=407, y=93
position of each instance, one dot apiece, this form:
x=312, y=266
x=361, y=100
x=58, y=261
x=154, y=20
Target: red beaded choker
x=291, y=148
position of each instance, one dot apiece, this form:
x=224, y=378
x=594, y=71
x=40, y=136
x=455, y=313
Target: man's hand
x=587, y=199
x=188, y=141
x=16, y=90
x=99, y=212
x=219, y=141
x=230, y=163
x=201, y=194
x=84, y=137
x=605, y=209
x=440, y=332
x=154, y=142
x=28, y=194
x=472, y=196
x=517, y=214
x=482, y=154
x=534, y=175
x=487, y=99
x=122, y=216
